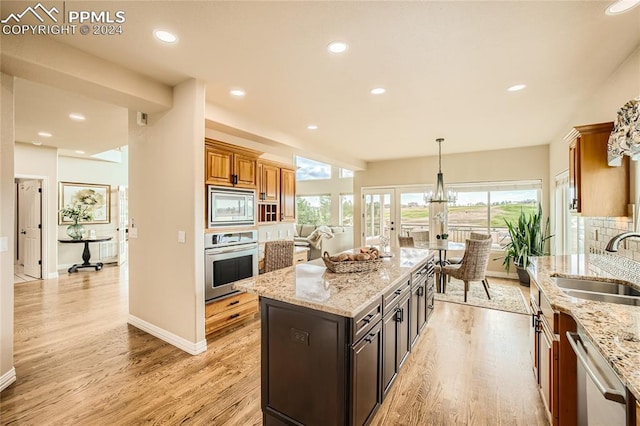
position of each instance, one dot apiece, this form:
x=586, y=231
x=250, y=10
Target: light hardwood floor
x=79, y=363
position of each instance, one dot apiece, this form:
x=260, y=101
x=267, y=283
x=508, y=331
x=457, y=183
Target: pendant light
x=440, y=196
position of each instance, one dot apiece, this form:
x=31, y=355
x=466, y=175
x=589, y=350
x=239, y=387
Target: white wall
x=41, y=162
x=166, y=171
x=622, y=86
x=71, y=169
x=7, y=218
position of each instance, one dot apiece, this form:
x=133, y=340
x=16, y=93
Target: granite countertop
x=313, y=286
x=614, y=329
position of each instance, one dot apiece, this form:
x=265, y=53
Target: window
x=414, y=211
x=346, y=173
x=346, y=209
x=485, y=207
x=313, y=209
x=311, y=169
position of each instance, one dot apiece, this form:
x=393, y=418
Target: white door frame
x=46, y=221
x=394, y=219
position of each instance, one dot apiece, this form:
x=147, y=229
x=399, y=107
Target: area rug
x=503, y=297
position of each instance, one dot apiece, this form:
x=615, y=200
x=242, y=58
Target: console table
x=86, y=253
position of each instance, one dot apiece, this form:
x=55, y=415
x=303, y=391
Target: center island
x=332, y=344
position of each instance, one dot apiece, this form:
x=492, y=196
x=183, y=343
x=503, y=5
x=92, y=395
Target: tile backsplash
x=599, y=230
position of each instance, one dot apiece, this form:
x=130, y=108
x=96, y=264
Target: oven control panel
x=230, y=238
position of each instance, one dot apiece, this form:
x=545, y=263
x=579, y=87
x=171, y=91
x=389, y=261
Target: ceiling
x=445, y=65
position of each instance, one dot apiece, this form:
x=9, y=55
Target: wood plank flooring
x=79, y=363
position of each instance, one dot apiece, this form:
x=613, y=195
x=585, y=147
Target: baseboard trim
x=7, y=378
x=52, y=275
x=173, y=339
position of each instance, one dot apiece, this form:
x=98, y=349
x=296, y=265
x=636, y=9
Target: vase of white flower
x=75, y=231
x=77, y=213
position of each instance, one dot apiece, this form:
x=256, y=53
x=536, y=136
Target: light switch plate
x=133, y=232
x=182, y=237
x=4, y=244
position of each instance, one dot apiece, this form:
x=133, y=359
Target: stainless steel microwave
x=231, y=206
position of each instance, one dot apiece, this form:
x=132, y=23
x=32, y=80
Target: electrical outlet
x=279, y=233
x=268, y=235
x=288, y=232
x=4, y=244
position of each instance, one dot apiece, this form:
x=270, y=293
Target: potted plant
x=527, y=239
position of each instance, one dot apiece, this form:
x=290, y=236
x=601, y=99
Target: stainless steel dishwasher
x=602, y=398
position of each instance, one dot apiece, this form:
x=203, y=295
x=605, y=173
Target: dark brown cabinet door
x=404, y=331
x=389, y=350
x=366, y=387
x=417, y=305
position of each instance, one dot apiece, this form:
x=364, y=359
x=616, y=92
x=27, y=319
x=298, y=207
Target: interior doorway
x=29, y=228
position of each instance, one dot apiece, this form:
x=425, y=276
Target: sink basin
x=600, y=291
x=597, y=286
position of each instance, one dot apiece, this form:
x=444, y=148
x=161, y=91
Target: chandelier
x=440, y=196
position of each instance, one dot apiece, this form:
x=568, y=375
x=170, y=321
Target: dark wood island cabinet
x=332, y=344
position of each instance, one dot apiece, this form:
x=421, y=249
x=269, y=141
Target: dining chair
x=420, y=237
x=278, y=254
x=472, y=236
x=473, y=266
x=405, y=241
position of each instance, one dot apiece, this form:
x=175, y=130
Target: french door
x=379, y=217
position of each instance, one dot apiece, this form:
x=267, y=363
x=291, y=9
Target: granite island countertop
x=313, y=286
x=614, y=329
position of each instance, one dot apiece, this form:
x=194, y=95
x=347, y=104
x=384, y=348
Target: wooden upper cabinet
x=228, y=165
x=598, y=190
x=287, y=195
x=269, y=186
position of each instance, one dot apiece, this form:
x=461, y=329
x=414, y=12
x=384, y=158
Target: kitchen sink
x=600, y=291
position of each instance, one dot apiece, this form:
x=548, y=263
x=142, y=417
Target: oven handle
x=610, y=394
x=225, y=250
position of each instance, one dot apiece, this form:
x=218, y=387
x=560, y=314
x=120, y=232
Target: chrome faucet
x=613, y=244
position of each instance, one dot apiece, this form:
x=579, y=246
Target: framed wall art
x=91, y=201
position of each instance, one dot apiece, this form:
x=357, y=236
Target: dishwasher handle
x=610, y=394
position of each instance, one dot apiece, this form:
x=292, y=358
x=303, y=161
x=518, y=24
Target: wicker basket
x=351, y=265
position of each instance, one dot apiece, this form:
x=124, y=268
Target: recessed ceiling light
x=621, y=6
x=312, y=127
x=37, y=143
x=517, y=87
x=165, y=36
x=77, y=117
x=79, y=151
x=45, y=134
x=378, y=91
x=338, y=47
x=237, y=92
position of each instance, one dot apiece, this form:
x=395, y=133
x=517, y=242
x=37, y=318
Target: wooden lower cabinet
x=553, y=360
x=229, y=311
x=366, y=376
x=323, y=369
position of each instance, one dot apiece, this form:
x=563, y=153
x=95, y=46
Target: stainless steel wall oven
x=229, y=257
